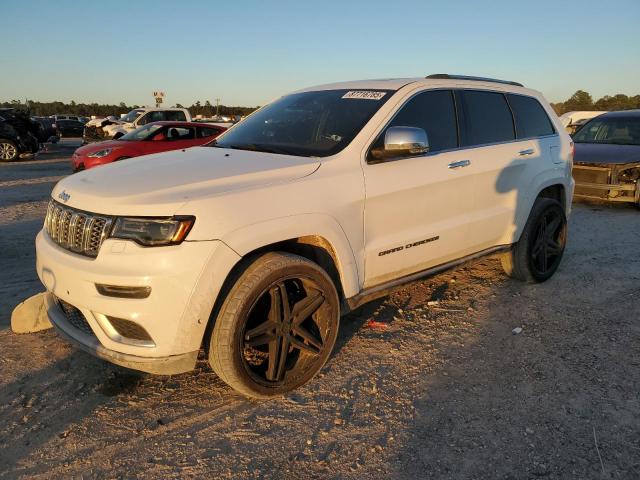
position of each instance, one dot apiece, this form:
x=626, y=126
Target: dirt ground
x=444, y=391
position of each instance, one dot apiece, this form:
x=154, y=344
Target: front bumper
x=89, y=343
x=174, y=315
x=604, y=182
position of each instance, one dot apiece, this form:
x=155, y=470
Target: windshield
x=310, y=124
x=614, y=130
x=131, y=116
x=142, y=133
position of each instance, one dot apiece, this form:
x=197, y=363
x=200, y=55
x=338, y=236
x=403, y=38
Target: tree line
x=582, y=100
x=45, y=109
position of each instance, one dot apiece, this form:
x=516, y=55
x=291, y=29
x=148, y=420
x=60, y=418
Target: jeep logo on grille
x=64, y=196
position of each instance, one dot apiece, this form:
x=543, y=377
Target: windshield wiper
x=257, y=147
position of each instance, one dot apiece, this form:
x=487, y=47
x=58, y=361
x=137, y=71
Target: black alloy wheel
x=537, y=254
x=548, y=242
x=284, y=331
x=276, y=326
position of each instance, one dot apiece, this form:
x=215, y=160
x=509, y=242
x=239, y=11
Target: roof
x=150, y=109
x=622, y=113
x=439, y=80
x=185, y=124
x=376, y=84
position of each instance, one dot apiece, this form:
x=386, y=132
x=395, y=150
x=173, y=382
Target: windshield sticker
x=364, y=95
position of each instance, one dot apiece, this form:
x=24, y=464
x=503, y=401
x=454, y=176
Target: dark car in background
x=69, y=128
x=47, y=129
x=606, y=163
x=18, y=134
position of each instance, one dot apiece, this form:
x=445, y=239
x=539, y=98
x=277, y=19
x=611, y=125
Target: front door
x=416, y=209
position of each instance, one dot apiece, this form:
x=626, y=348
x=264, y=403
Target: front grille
x=93, y=134
x=129, y=329
x=76, y=231
x=75, y=318
x=591, y=174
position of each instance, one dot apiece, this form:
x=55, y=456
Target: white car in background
x=253, y=246
x=112, y=128
x=571, y=121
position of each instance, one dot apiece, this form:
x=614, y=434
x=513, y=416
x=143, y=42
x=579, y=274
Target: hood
x=99, y=122
x=97, y=146
x=159, y=184
x=600, y=153
x=116, y=127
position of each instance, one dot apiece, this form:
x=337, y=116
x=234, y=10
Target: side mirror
x=402, y=142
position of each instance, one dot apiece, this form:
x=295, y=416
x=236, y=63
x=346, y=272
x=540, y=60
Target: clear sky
x=248, y=52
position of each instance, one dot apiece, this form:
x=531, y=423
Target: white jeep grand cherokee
x=253, y=246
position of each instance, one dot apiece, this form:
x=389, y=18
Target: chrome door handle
x=459, y=164
x=528, y=151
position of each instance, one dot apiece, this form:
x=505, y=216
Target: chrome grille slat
x=71, y=238
x=77, y=231
x=87, y=233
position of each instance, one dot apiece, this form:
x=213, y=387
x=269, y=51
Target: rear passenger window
x=432, y=111
x=209, y=132
x=530, y=118
x=175, y=116
x=486, y=118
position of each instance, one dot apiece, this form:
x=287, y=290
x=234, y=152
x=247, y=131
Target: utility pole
x=217, y=107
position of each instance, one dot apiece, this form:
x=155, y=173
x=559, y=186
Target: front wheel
x=537, y=255
x=8, y=150
x=276, y=327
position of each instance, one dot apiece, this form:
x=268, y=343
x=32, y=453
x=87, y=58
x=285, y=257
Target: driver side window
x=433, y=111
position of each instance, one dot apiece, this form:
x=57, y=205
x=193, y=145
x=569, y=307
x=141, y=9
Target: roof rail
x=446, y=76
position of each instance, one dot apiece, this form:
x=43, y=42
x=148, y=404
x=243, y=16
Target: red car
x=151, y=138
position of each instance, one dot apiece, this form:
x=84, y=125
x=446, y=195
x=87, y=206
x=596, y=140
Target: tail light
x=572, y=151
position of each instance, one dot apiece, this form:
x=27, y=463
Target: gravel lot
x=446, y=390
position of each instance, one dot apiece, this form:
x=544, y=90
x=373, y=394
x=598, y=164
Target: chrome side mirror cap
x=402, y=142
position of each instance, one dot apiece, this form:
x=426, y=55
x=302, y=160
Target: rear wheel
x=8, y=150
x=276, y=327
x=537, y=255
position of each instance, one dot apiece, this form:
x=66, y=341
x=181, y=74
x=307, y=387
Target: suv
x=254, y=245
x=111, y=128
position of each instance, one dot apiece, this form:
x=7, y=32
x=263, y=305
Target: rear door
x=416, y=209
x=504, y=158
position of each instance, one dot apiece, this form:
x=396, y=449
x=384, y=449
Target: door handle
x=459, y=164
x=528, y=151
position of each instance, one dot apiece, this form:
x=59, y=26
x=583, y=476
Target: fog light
x=123, y=292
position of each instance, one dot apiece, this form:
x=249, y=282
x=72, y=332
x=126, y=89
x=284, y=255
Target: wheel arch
x=555, y=191
x=316, y=247
x=317, y=237
x=556, y=188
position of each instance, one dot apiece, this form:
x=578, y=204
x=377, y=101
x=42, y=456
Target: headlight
x=153, y=232
x=100, y=153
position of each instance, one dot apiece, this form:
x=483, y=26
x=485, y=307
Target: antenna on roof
x=446, y=76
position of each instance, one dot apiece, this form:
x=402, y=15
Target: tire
x=538, y=253
x=253, y=329
x=8, y=151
